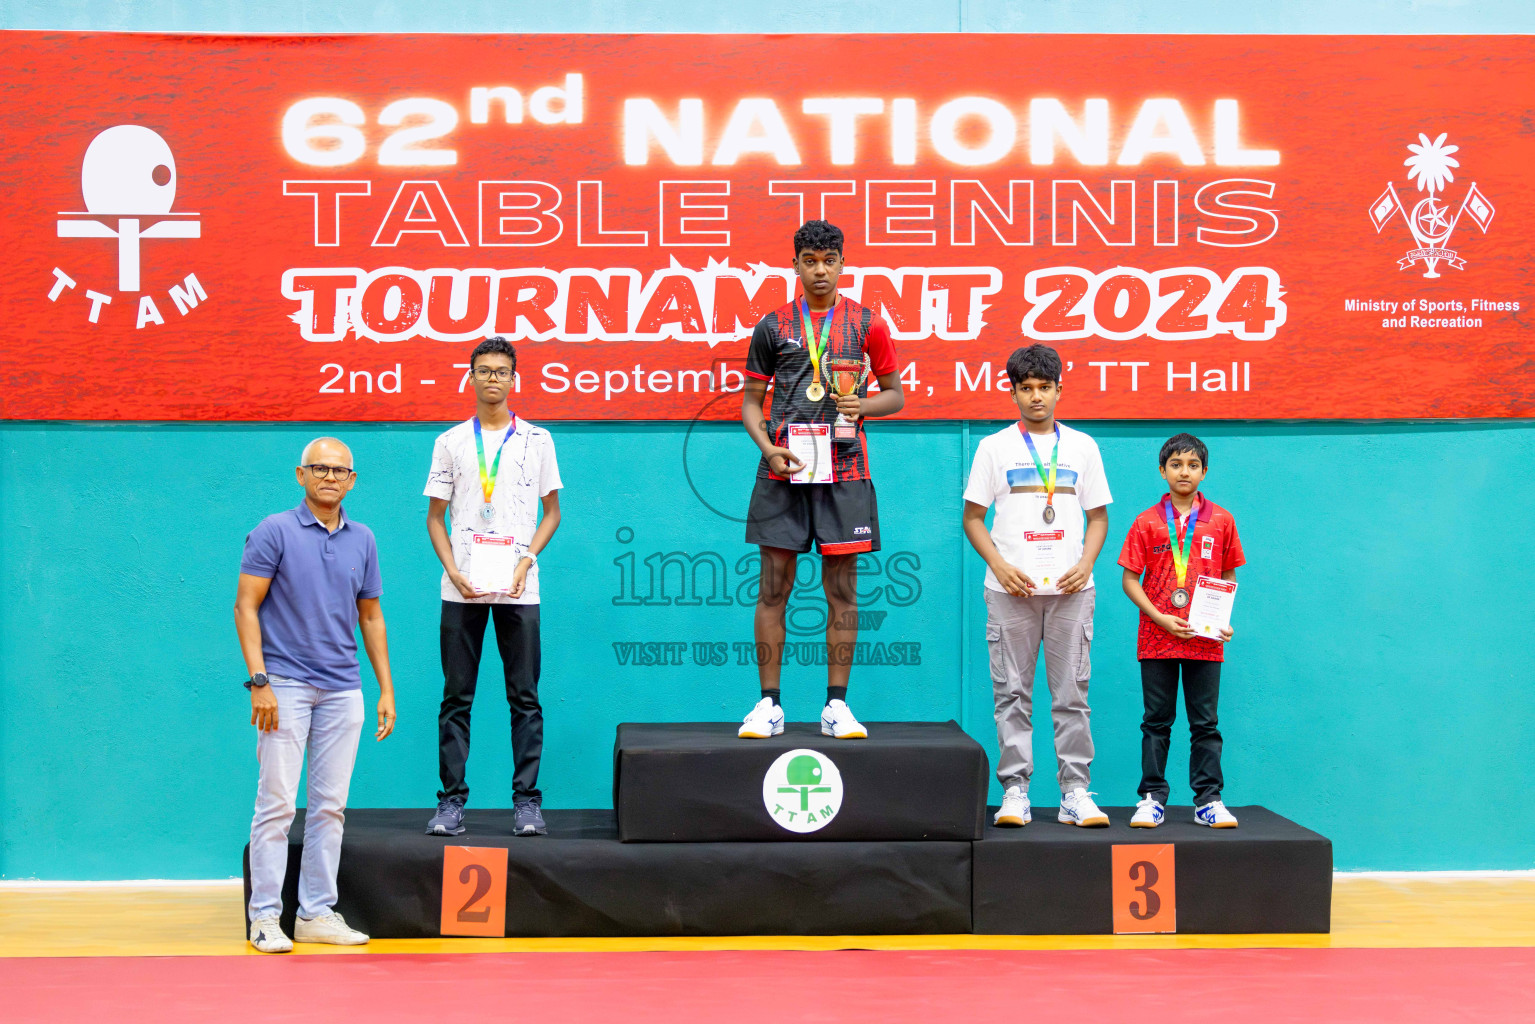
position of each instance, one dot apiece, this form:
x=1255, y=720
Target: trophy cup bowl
x=846, y=376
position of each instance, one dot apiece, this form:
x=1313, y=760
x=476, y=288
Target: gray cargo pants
x=1016, y=627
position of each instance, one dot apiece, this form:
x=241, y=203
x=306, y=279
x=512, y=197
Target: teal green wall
x=1379, y=689
x=1380, y=676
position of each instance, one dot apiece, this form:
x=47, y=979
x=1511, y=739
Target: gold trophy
x=847, y=376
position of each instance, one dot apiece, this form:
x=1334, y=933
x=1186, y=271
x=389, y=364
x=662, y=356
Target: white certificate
x=492, y=561
x=1210, y=609
x=811, y=444
x=1044, y=559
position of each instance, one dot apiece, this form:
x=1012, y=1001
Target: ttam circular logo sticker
x=802, y=790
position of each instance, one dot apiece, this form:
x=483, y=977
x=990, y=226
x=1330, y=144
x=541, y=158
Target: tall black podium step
x=697, y=783
x=581, y=881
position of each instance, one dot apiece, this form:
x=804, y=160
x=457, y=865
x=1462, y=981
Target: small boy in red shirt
x=1183, y=530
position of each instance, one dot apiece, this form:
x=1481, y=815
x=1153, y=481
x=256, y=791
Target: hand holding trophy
x=847, y=376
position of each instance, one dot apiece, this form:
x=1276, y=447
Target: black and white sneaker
x=448, y=821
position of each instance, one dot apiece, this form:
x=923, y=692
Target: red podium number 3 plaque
x=474, y=890
x=1145, y=889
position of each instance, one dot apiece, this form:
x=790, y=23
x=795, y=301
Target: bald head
x=327, y=450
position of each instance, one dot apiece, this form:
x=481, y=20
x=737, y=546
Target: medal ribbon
x=488, y=478
x=816, y=352
x=1039, y=464
x=1181, y=551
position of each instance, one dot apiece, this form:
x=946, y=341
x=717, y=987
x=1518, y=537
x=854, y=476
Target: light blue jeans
x=327, y=723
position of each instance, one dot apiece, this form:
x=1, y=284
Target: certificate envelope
x=811, y=444
x=492, y=561
x=1210, y=608
x=1044, y=559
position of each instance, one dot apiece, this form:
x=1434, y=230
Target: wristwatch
x=259, y=679
x=530, y=556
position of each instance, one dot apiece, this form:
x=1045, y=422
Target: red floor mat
x=1389, y=986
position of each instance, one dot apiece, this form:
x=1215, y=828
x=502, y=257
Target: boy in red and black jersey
x=1167, y=644
x=793, y=349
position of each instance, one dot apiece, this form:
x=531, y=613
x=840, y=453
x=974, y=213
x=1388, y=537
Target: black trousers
x=463, y=637
x=1201, y=694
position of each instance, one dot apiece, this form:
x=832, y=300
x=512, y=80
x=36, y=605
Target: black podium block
x=698, y=782
x=1269, y=875
x=580, y=880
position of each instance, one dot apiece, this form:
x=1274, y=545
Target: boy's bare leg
x=839, y=578
x=839, y=574
x=774, y=587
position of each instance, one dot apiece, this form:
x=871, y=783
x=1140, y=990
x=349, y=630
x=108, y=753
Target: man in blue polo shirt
x=308, y=579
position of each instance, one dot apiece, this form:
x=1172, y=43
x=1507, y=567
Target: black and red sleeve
x=762, y=354
x=879, y=348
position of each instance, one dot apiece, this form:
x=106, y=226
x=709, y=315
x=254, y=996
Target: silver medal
x=1180, y=598
x=1049, y=513
x=488, y=512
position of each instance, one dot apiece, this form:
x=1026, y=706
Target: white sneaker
x=1148, y=813
x=837, y=720
x=267, y=936
x=328, y=928
x=1015, y=808
x=1077, y=808
x=766, y=719
x=1215, y=815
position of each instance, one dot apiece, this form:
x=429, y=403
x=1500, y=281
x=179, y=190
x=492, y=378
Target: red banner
x=278, y=228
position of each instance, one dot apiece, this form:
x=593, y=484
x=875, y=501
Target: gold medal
x=816, y=391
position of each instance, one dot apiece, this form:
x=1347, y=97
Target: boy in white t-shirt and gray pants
x=1047, y=483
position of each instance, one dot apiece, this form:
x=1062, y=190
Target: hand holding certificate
x=1210, y=609
x=493, y=562
x=1044, y=559
x=811, y=444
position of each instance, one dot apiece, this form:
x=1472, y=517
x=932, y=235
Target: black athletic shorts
x=842, y=518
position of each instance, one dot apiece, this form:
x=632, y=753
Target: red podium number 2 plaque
x=474, y=890
x=1145, y=889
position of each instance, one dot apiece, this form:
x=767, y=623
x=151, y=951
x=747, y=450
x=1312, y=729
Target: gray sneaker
x=448, y=821
x=527, y=819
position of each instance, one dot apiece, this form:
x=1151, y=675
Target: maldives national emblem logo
x=1431, y=166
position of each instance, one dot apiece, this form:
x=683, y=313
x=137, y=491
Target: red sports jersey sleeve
x=1231, y=550
x=879, y=347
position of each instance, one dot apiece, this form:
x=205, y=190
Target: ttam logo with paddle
x=802, y=790
x=128, y=186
